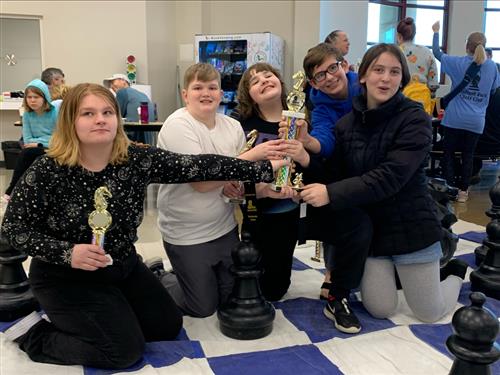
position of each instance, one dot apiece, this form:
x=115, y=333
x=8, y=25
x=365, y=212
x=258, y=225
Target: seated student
x=129, y=100
x=102, y=302
x=53, y=77
x=261, y=100
x=39, y=120
x=378, y=170
x=198, y=227
x=333, y=89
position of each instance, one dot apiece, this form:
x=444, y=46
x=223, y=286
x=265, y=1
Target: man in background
x=129, y=100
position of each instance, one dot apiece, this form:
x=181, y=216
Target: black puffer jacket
x=378, y=165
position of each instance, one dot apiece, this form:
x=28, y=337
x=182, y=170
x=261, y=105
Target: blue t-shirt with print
x=467, y=110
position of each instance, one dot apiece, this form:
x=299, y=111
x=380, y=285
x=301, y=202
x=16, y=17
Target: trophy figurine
x=297, y=182
x=295, y=100
x=251, y=138
x=100, y=219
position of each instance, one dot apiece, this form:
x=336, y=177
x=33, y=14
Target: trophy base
x=278, y=188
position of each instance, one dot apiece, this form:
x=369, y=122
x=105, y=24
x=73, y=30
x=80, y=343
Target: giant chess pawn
x=475, y=329
x=246, y=315
x=486, y=278
x=493, y=213
x=16, y=298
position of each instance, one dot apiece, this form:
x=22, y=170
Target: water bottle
x=144, y=113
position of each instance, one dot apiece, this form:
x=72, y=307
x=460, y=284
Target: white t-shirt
x=186, y=216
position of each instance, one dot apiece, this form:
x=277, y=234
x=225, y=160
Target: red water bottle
x=144, y=113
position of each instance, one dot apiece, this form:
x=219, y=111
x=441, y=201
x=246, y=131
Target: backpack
x=419, y=92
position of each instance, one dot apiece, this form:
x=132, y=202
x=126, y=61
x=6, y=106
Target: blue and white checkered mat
x=303, y=341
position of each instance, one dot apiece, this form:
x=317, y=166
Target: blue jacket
x=39, y=128
x=327, y=111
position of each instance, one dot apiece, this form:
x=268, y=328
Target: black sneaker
x=456, y=267
x=340, y=313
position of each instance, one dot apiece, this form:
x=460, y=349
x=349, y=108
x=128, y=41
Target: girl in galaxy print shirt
x=100, y=314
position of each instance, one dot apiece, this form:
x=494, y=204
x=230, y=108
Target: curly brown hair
x=246, y=105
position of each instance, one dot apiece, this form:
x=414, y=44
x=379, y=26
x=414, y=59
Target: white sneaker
x=22, y=326
x=463, y=196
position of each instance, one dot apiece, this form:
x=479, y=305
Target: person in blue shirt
x=39, y=121
x=464, y=117
x=129, y=100
x=333, y=88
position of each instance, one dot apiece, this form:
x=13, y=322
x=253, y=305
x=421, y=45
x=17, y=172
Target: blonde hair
x=58, y=92
x=202, y=72
x=246, y=105
x=475, y=46
x=64, y=144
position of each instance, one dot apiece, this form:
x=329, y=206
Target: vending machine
x=232, y=54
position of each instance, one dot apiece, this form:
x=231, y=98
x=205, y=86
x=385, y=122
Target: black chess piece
x=493, y=213
x=475, y=329
x=16, y=298
x=486, y=278
x=246, y=315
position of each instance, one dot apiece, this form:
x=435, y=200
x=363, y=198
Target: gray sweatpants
x=203, y=280
x=428, y=297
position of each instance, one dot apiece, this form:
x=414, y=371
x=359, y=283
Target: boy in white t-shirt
x=198, y=227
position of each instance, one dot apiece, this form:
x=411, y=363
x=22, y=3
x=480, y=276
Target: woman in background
x=464, y=116
x=421, y=64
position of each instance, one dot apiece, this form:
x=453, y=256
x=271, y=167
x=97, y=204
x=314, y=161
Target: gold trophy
x=100, y=219
x=295, y=100
x=251, y=138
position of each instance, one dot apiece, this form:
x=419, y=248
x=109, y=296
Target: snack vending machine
x=232, y=54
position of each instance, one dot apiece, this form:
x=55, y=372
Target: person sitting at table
x=129, y=100
x=39, y=120
x=101, y=301
x=53, y=77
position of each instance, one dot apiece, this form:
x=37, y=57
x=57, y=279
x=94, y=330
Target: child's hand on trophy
x=295, y=149
x=233, y=189
x=315, y=194
x=267, y=191
x=270, y=150
x=302, y=126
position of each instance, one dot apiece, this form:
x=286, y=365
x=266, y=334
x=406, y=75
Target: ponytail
x=479, y=54
x=475, y=46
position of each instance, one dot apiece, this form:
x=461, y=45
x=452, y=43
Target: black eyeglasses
x=332, y=69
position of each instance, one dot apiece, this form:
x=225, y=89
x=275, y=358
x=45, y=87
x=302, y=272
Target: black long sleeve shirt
x=49, y=209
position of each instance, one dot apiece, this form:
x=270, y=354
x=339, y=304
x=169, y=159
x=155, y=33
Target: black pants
x=24, y=160
x=276, y=237
x=483, y=148
x=465, y=142
x=350, y=231
x=99, y=318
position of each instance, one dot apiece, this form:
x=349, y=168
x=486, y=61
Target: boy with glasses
x=333, y=88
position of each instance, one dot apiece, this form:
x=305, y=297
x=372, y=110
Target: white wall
x=162, y=55
x=89, y=40
x=465, y=17
x=350, y=16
